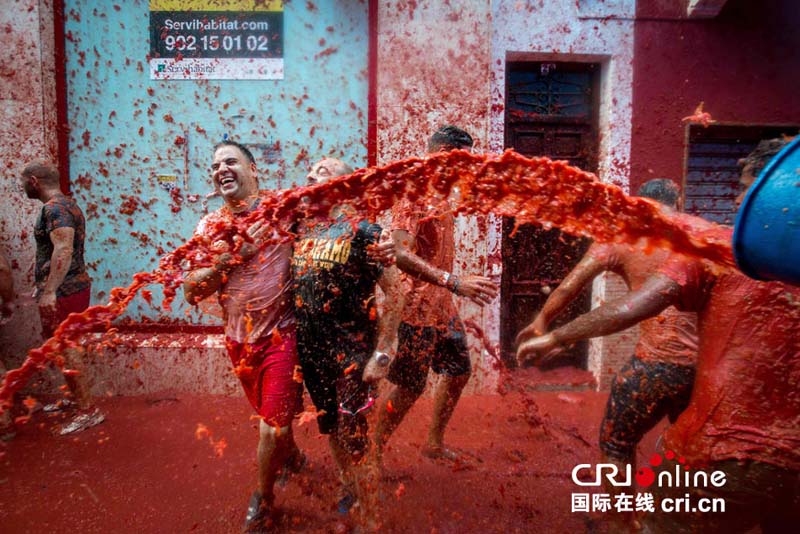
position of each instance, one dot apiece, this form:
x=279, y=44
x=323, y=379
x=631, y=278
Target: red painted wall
x=743, y=64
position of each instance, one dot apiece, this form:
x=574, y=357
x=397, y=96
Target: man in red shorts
x=254, y=290
x=62, y=284
x=743, y=415
x=431, y=334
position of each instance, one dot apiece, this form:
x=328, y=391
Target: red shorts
x=270, y=375
x=75, y=303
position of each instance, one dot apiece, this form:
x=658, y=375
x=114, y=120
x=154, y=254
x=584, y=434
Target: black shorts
x=422, y=347
x=641, y=395
x=332, y=368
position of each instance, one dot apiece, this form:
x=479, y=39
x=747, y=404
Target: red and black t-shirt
x=61, y=212
x=334, y=279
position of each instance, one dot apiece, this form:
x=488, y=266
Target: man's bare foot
x=441, y=452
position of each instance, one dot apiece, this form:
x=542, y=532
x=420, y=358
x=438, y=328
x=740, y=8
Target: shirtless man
x=431, y=334
x=657, y=380
x=743, y=413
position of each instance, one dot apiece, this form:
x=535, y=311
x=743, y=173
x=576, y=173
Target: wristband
x=444, y=281
x=454, y=284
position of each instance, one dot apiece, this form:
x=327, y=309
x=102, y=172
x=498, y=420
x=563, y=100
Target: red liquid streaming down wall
x=535, y=190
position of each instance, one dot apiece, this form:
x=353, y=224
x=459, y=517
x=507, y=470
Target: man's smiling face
x=234, y=176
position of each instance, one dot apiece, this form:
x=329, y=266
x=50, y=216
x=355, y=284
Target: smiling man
x=254, y=290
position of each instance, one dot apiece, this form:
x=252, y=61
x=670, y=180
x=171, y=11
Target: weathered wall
x=27, y=130
x=433, y=69
x=741, y=64
x=126, y=129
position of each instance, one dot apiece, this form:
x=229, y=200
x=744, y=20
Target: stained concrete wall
x=28, y=132
x=741, y=64
x=437, y=63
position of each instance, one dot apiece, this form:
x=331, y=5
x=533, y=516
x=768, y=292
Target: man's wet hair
x=244, y=149
x=662, y=190
x=449, y=137
x=764, y=151
x=45, y=172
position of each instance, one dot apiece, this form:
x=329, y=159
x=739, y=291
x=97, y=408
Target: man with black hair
x=62, y=284
x=254, y=290
x=742, y=416
x=431, y=334
x=657, y=380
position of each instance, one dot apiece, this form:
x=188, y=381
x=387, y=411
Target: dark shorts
x=75, y=303
x=641, y=395
x=754, y=493
x=332, y=369
x=428, y=347
x=270, y=376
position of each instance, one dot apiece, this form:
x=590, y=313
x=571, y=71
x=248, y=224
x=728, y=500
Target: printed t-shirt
x=746, y=398
x=61, y=212
x=334, y=278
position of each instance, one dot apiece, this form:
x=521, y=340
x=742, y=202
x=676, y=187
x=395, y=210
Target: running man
x=343, y=346
x=254, y=290
x=431, y=335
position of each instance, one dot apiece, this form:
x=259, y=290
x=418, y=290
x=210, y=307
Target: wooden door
x=550, y=111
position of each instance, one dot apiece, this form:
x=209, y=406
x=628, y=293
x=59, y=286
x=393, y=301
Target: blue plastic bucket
x=766, y=236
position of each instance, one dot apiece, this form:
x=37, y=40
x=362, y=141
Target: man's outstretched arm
x=657, y=293
x=479, y=289
x=569, y=288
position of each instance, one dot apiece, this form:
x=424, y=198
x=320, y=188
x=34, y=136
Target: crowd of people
x=718, y=352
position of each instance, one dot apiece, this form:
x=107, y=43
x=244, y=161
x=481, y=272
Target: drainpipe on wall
x=62, y=118
x=372, y=91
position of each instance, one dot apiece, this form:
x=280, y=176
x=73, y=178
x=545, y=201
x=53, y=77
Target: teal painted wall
x=126, y=129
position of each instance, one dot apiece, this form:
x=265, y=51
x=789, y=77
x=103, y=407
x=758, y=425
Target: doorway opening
x=551, y=110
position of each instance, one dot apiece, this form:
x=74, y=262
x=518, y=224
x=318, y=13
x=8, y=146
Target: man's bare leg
x=398, y=402
x=78, y=384
x=445, y=397
x=274, y=446
x=88, y=415
x=359, y=473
